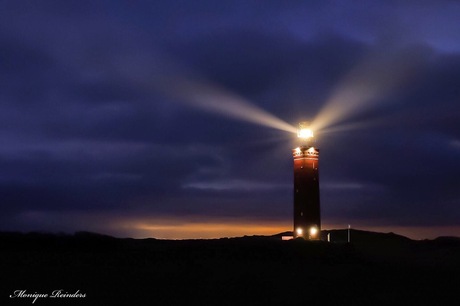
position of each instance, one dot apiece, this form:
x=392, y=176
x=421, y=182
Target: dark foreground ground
x=375, y=269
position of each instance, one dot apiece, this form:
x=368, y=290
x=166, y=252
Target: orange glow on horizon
x=182, y=229
x=202, y=230
x=205, y=227
x=173, y=228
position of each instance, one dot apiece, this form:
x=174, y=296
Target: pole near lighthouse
x=307, y=215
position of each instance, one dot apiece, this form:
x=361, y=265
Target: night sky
x=174, y=119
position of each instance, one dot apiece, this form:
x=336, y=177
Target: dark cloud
x=86, y=129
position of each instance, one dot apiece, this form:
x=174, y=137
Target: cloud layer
x=93, y=121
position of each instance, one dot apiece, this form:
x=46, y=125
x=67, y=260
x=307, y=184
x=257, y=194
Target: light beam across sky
x=181, y=84
x=365, y=87
x=213, y=98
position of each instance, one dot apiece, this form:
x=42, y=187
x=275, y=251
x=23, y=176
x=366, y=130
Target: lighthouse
x=307, y=214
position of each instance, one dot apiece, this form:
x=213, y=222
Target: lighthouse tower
x=307, y=217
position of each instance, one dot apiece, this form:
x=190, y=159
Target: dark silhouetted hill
x=375, y=269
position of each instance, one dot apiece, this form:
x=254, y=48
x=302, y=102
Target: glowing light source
x=313, y=231
x=299, y=231
x=304, y=131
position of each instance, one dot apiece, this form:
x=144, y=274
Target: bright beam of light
x=217, y=100
x=364, y=87
x=165, y=75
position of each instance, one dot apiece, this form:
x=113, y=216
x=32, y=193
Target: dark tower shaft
x=307, y=217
